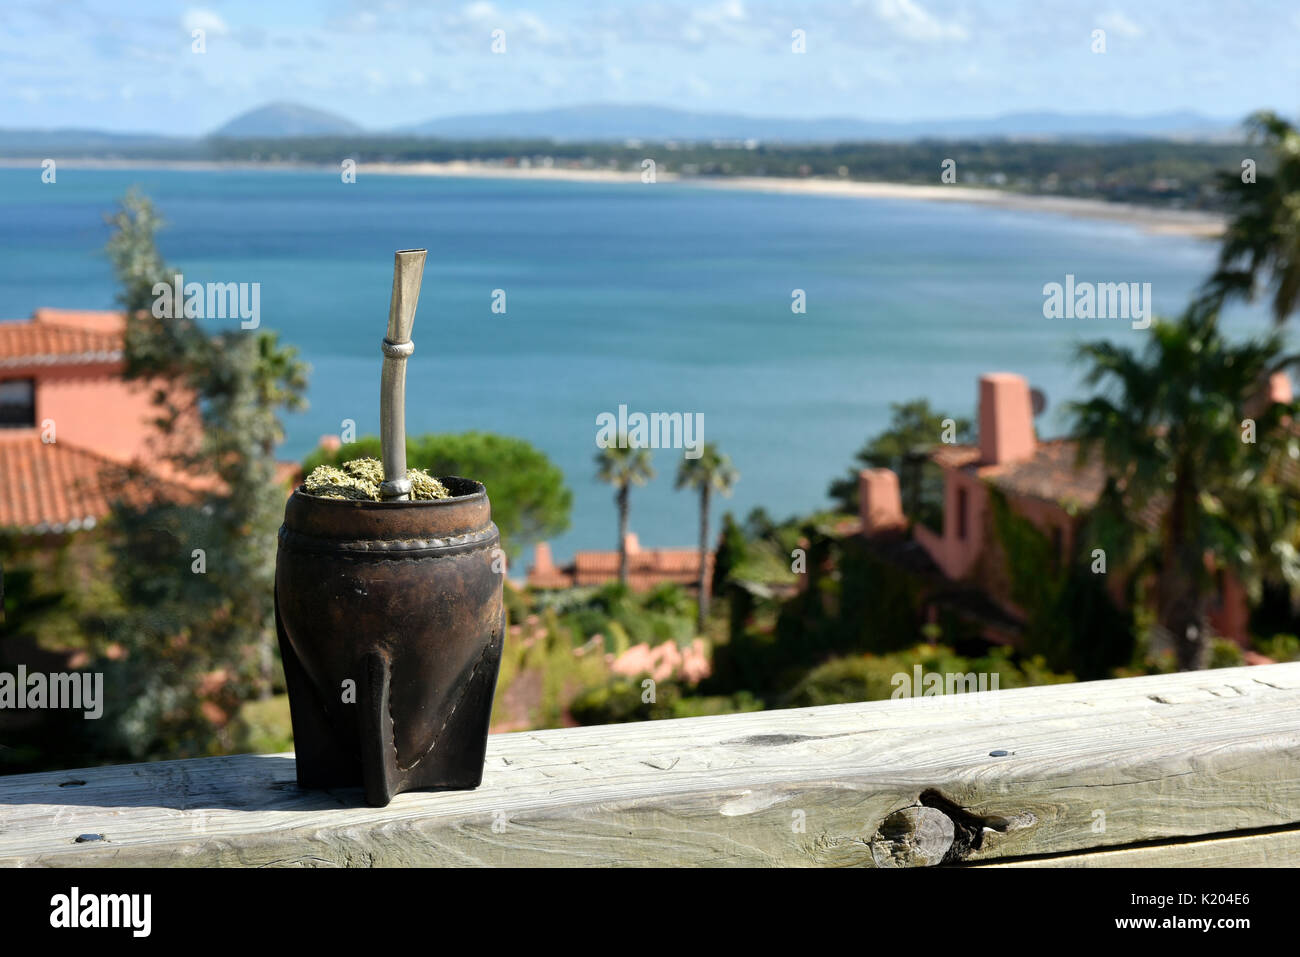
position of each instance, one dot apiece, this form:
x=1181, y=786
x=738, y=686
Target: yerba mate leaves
x=359, y=480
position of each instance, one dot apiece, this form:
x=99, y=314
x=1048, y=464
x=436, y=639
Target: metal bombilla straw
x=408, y=272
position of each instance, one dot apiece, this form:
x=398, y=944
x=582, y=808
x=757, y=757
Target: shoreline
x=1150, y=219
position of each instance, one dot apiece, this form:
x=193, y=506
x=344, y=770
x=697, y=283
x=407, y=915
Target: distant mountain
x=286, y=119
x=620, y=122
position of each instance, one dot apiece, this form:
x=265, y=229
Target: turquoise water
x=664, y=298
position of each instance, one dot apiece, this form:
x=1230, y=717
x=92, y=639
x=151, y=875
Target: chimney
x=542, y=561
x=1279, y=387
x=1276, y=389
x=1006, y=419
x=880, y=506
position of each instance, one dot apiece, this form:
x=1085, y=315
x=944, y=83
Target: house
x=68, y=420
x=646, y=567
x=64, y=368
x=1041, y=480
x=72, y=427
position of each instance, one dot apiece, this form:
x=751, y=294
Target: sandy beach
x=1148, y=218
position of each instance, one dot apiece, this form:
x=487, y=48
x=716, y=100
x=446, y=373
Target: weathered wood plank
x=1270, y=849
x=1086, y=766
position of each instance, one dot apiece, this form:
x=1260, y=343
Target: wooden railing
x=1189, y=769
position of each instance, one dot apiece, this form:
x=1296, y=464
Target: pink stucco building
x=1041, y=480
x=67, y=419
x=647, y=567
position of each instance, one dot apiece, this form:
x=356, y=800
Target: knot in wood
x=913, y=837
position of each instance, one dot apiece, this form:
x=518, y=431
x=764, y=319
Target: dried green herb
x=359, y=480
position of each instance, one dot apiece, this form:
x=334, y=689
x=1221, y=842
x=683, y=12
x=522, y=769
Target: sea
x=664, y=297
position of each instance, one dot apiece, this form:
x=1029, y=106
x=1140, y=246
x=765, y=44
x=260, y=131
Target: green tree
x=710, y=472
x=733, y=549
x=195, y=550
x=1070, y=619
x=914, y=430
x=1200, y=469
x=1262, y=243
x=530, y=501
x=623, y=465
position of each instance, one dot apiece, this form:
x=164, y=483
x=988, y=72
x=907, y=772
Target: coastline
x=1149, y=219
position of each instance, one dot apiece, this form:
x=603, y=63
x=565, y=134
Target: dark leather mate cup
x=391, y=623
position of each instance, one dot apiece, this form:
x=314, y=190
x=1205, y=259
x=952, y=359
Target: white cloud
x=727, y=20
x=672, y=24
x=481, y=18
x=698, y=86
x=197, y=18
x=1115, y=22
x=729, y=11
x=909, y=19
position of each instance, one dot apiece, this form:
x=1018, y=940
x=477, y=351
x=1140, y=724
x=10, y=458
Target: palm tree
x=623, y=465
x=1189, y=493
x=1262, y=242
x=710, y=472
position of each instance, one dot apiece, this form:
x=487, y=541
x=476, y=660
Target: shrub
x=873, y=677
x=1279, y=647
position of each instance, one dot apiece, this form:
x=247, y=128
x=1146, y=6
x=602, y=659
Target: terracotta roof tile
x=651, y=560
x=954, y=456
x=554, y=578
x=91, y=320
x=44, y=343
x=647, y=567
x=60, y=487
x=49, y=487
x=1052, y=475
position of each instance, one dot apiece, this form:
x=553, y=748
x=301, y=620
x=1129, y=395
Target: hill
x=286, y=119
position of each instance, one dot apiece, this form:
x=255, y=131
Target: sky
x=129, y=65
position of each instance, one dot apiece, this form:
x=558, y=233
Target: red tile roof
x=651, y=560
x=550, y=578
x=646, y=568
x=89, y=319
x=955, y=456
x=60, y=487
x=1054, y=474
x=51, y=488
x=57, y=338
